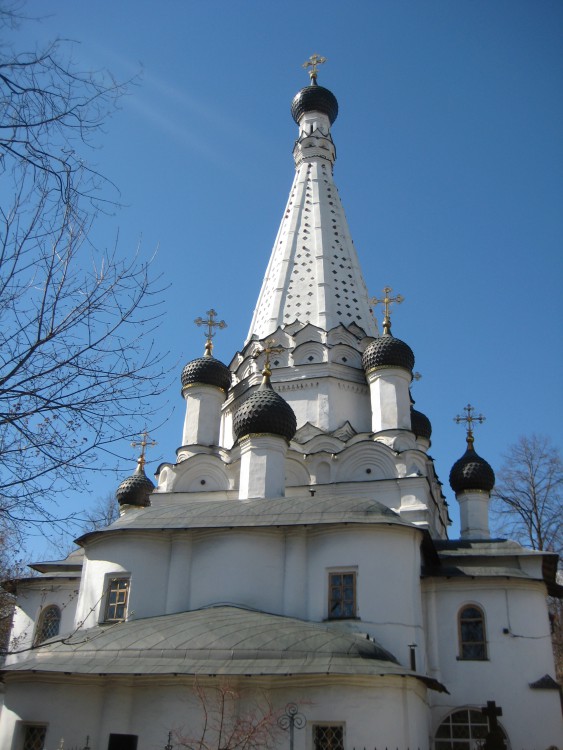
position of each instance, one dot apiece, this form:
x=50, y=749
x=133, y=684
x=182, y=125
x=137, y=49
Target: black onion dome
x=135, y=490
x=387, y=351
x=206, y=370
x=264, y=411
x=471, y=472
x=314, y=99
x=420, y=424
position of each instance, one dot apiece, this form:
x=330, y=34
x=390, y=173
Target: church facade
x=293, y=566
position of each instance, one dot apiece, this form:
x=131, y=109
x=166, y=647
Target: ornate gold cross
x=312, y=63
x=469, y=419
x=211, y=323
x=143, y=445
x=387, y=301
x=270, y=348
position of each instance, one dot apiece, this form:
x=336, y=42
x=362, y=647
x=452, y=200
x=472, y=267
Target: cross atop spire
x=469, y=419
x=387, y=301
x=143, y=443
x=312, y=63
x=211, y=323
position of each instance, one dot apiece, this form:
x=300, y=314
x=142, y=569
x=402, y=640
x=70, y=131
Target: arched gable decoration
x=48, y=624
x=472, y=634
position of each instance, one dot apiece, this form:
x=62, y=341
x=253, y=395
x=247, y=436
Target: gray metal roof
x=286, y=511
x=491, y=558
x=222, y=640
x=72, y=562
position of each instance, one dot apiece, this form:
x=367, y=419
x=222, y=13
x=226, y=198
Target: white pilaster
x=203, y=415
x=390, y=399
x=262, y=466
x=295, y=578
x=178, y=589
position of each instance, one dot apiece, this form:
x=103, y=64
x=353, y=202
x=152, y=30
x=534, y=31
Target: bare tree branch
x=528, y=499
x=77, y=358
x=231, y=719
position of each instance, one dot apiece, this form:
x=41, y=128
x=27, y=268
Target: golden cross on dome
x=387, y=301
x=469, y=418
x=211, y=323
x=143, y=445
x=268, y=349
x=312, y=63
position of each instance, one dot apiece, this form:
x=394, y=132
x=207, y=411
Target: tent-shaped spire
x=313, y=275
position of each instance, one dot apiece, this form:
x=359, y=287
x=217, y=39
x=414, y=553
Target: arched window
x=472, y=636
x=464, y=729
x=49, y=624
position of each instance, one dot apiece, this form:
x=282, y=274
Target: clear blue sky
x=450, y=168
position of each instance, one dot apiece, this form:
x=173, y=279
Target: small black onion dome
x=314, y=99
x=388, y=351
x=471, y=472
x=135, y=490
x=265, y=411
x=420, y=424
x=208, y=371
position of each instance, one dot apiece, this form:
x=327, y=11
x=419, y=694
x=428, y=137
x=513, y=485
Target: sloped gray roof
x=490, y=558
x=285, y=511
x=72, y=563
x=222, y=640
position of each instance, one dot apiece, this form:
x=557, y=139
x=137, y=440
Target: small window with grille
x=48, y=624
x=341, y=594
x=328, y=737
x=117, y=599
x=34, y=736
x=472, y=638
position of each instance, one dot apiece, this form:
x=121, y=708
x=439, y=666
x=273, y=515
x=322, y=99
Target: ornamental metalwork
x=470, y=418
x=211, y=323
x=387, y=301
x=291, y=720
x=314, y=61
x=142, y=444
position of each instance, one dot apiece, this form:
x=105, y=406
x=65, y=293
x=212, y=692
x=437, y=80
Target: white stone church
x=296, y=552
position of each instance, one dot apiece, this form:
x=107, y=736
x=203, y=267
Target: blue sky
x=450, y=169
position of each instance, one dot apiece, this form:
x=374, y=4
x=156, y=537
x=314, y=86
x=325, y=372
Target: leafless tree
x=528, y=498
x=102, y=513
x=528, y=507
x=231, y=720
x=77, y=363
x=10, y=567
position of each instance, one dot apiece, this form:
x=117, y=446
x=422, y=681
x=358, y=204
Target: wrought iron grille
x=328, y=737
x=34, y=737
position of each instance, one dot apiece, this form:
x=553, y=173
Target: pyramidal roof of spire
x=313, y=275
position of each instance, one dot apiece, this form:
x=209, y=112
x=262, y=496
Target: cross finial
x=491, y=712
x=469, y=419
x=268, y=349
x=495, y=736
x=312, y=63
x=211, y=323
x=387, y=301
x=143, y=443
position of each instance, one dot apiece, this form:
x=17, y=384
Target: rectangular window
x=342, y=594
x=34, y=736
x=473, y=645
x=328, y=737
x=122, y=742
x=117, y=597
